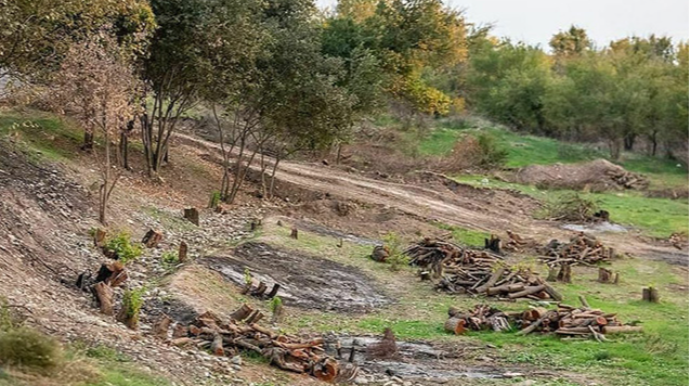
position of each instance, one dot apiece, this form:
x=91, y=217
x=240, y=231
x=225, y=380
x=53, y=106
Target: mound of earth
x=305, y=281
x=597, y=175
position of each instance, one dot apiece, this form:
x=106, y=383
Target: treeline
x=634, y=89
x=280, y=76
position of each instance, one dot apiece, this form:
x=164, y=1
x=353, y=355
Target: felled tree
x=94, y=85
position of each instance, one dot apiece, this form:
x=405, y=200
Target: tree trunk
x=629, y=141
x=104, y=294
x=124, y=150
x=650, y=294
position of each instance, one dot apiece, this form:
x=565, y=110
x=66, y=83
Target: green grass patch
x=43, y=134
x=657, y=217
x=465, y=236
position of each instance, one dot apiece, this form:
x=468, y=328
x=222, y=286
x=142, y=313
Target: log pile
x=463, y=270
x=243, y=333
x=581, y=249
x=627, y=179
x=564, y=321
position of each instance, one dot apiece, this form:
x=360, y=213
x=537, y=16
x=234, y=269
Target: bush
x=481, y=151
x=132, y=301
x=396, y=257
x=29, y=349
x=121, y=245
x=491, y=154
x=169, y=260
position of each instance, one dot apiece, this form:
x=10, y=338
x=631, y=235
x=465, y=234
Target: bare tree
x=95, y=84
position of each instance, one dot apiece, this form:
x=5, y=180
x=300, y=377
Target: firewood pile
x=243, y=333
x=627, y=179
x=463, y=270
x=581, y=249
x=565, y=320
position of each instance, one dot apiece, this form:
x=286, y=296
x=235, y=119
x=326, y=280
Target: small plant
x=396, y=257
x=169, y=260
x=29, y=349
x=214, y=200
x=132, y=301
x=247, y=276
x=122, y=247
x=602, y=355
x=276, y=306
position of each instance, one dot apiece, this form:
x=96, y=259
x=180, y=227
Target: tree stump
x=553, y=274
x=160, y=328
x=607, y=276
x=565, y=274
x=380, y=253
x=242, y=313
x=99, y=238
x=182, y=252
x=179, y=330
x=294, y=233
x=192, y=214
x=152, y=238
x=104, y=295
x=650, y=294
x=493, y=244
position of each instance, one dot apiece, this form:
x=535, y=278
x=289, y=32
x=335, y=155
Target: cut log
x=183, y=341
x=217, y=345
x=380, y=253
x=455, y=325
x=259, y=290
x=254, y=317
x=192, y=214
x=492, y=280
x=584, y=302
x=650, y=294
x=621, y=329
x=274, y=291
x=104, y=294
x=553, y=294
x=152, y=238
x=182, y=252
x=528, y=291
x=179, y=330
x=241, y=313
x=605, y=276
x=326, y=370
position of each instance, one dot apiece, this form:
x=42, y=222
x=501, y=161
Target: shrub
x=214, y=200
x=396, y=257
x=121, y=245
x=169, y=260
x=491, y=154
x=132, y=301
x=29, y=349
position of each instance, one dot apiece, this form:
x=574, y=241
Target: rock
x=236, y=360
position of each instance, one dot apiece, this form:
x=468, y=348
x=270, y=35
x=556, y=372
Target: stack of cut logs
x=564, y=321
x=582, y=249
x=477, y=272
x=627, y=179
x=242, y=333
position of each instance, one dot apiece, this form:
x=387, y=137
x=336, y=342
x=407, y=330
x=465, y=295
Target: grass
x=659, y=356
x=45, y=134
x=524, y=150
x=465, y=236
x=657, y=217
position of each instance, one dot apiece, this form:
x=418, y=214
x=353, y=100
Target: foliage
x=121, y=244
x=491, y=154
x=132, y=300
x=275, y=304
x=396, y=247
x=29, y=349
x=169, y=260
x=247, y=276
x=570, y=207
x=214, y=200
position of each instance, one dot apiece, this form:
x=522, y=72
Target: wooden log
x=565, y=273
x=179, y=330
x=254, y=317
x=327, y=370
x=452, y=311
x=380, y=253
x=217, y=345
x=529, y=329
x=573, y=331
x=650, y=294
x=192, y=214
x=104, y=294
x=182, y=252
x=242, y=313
x=527, y=291
x=295, y=346
x=455, y=325
x=274, y=291
x=183, y=341
x=259, y=290
x=621, y=329
x=584, y=302
x=605, y=276
x=277, y=358
x=152, y=238
x=492, y=280
x=553, y=294
x=493, y=291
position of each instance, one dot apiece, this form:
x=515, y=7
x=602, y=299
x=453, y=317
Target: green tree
x=571, y=42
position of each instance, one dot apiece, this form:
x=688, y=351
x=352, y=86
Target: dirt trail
x=473, y=208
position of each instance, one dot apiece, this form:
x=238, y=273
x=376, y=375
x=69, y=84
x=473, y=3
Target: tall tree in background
x=94, y=84
x=571, y=42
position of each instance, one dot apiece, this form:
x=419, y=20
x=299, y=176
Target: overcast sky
x=534, y=21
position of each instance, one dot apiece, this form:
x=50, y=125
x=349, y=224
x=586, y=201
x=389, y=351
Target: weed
x=396, y=257
x=122, y=247
x=214, y=200
x=602, y=355
x=247, y=276
x=132, y=300
x=570, y=207
x=169, y=260
x=29, y=349
x=275, y=304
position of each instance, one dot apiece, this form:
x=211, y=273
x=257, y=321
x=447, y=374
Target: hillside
x=329, y=284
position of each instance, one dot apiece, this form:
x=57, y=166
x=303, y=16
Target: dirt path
x=465, y=206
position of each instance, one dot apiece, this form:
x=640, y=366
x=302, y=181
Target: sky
x=535, y=21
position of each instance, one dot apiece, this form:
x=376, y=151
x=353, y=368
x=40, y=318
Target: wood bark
x=104, y=294
x=192, y=214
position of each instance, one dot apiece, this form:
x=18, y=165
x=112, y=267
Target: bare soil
x=594, y=175
x=306, y=281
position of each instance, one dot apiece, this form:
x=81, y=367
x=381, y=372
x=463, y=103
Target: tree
x=95, y=84
x=570, y=43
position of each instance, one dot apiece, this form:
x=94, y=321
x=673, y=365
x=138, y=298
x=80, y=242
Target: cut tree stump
x=104, y=294
x=152, y=238
x=182, y=252
x=493, y=243
x=565, y=274
x=99, y=237
x=607, y=276
x=160, y=328
x=242, y=313
x=192, y=214
x=294, y=233
x=553, y=275
x=380, y=253
x=650, y=294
